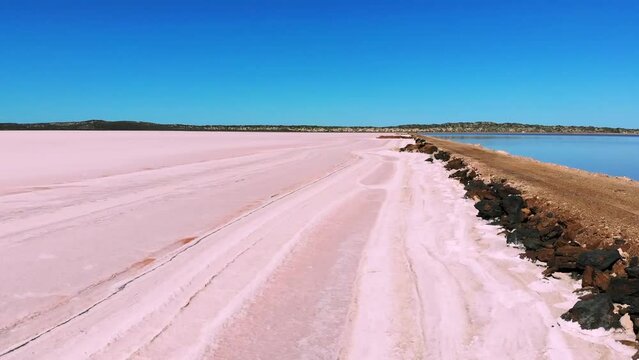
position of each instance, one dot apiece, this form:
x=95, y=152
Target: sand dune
x=272, y=246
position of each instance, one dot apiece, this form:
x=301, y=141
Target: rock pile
x=420, y=146
x=610, y=274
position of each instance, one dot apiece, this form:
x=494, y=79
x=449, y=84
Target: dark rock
x=455, y=164
x=459, y=174
x=563, y=263
x=476, y=185
x=635, y=323
x=633, y=307
x=477, y=189
x=619, y=242
x=588, y=277
x=442, y=155
x=601, y=280
x=634, y=261
x=619, y=269
x=513, y=205
x=472, y=174
x=532, y=243
x=624, y=291
x=409, y=148
x=570, y=251
x=489, y=209
x=561, y=242
x=633, y=271
x=594, y=311
x=529, y=254
x=481, y=194
x=503, y=190
x=549, y=228
x=553, y=232
x=529, y=237
x=545, y=254
x=430, y=160
x=599, y=259
x=428, y=149
x=571, y=231
x=464, y=176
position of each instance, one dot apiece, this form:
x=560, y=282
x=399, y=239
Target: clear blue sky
x=321, y=62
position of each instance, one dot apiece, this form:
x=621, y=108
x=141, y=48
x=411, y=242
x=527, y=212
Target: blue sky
x=321, y=62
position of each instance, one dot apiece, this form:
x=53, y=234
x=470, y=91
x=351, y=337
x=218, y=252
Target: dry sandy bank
x=607, y=207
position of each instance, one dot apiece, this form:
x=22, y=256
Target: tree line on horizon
x=458, y=127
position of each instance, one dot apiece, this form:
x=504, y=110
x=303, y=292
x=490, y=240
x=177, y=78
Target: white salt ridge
x=388, y=260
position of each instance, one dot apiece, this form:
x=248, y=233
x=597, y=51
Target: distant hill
x=460, y=127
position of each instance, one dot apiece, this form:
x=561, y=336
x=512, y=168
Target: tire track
x=340, y=167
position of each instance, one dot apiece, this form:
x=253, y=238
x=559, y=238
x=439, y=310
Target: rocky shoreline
x=609, y=275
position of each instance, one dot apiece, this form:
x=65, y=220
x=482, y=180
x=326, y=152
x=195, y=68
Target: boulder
x=489, y=209
x=503, y=189
x=513, y=205
x=601, y=280
x=475, y=185
x=633, y=307
x=619, y=269
x=594, y=311
x=430, y=160
x=459, y=174
x=633, y=271
x=571, y=231
x=526, y=236
x=553, y=232
x=549, y=228
x=481, y=194
x=619, y=242
x=588, y=277
x=566, y=258
x=455, y=164
x=442, y=155
x=428, y=149
x=464, y=175
x=635, y=323
x=532, y=243
x=409, y=148
x=623, y=291
x=570, y=251
x=545, y=254
x=472, y=174
x=477, y=189
x=563, y=263
x=601, y=259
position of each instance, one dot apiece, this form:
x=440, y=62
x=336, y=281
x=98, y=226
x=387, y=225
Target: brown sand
x=607, y=207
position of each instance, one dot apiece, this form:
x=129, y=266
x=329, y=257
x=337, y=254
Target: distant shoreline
x=445, y=128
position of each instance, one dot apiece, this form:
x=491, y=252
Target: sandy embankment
x=606, y=207
x=235, y=246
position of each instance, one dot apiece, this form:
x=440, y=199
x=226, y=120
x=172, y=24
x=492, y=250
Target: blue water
x=608, y=154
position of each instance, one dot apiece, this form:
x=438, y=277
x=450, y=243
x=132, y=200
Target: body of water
x=608, y=154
